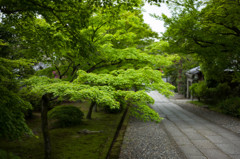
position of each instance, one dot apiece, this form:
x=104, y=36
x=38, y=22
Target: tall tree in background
x=67, y=46
x=12, y=107
x=209, y=29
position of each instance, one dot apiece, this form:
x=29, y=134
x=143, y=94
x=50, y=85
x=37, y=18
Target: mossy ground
x=66, y=142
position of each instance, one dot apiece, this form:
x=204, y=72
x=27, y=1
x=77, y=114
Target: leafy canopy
x=209, y=29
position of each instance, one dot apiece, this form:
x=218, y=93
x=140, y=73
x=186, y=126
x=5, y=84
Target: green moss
x=66, y=142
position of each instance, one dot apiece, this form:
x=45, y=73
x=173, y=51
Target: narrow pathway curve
x=198, y=138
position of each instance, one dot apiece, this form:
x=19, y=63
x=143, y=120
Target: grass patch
x=198, y=103
x=66, y=142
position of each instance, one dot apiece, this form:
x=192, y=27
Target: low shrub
x=199, y=90
x=230, y=106
x=65, y=116
x=222, y=91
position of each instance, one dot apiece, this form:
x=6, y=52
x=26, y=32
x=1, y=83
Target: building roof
x=194, y=70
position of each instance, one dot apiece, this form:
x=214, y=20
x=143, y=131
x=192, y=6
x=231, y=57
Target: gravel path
x=148, y=140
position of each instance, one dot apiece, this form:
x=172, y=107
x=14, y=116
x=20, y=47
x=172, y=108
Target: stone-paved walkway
x=181, y=134
x=196, y=136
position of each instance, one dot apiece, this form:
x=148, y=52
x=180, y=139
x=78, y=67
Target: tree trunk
x=95, y=108
x=89, y=115
x=46, y=137
x=135, y=89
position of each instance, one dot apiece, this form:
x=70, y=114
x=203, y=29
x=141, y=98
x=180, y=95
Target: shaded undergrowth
x=67, y=143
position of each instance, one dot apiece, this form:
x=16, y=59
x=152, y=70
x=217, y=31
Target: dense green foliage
x=230, y=106
x=209, y=29
x=65, y=116
x=200, y=90
x=141, y=79
x=12, y=115
x=12, y=106
x=80, y=36
x=203, y=91
x=220, y=98
x=107, y=90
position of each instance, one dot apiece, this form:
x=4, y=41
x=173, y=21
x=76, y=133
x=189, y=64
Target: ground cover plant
x=221, y=98
x=229, y=106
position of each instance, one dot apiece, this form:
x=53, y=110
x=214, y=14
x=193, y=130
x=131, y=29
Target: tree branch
x=95, y=66
x=95, y=30
x=58, y=71
x=233, y=28
x=198, y=43
x=67, y=69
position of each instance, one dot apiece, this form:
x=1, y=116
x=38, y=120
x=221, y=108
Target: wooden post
x=180, y=77
x=46, y=136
